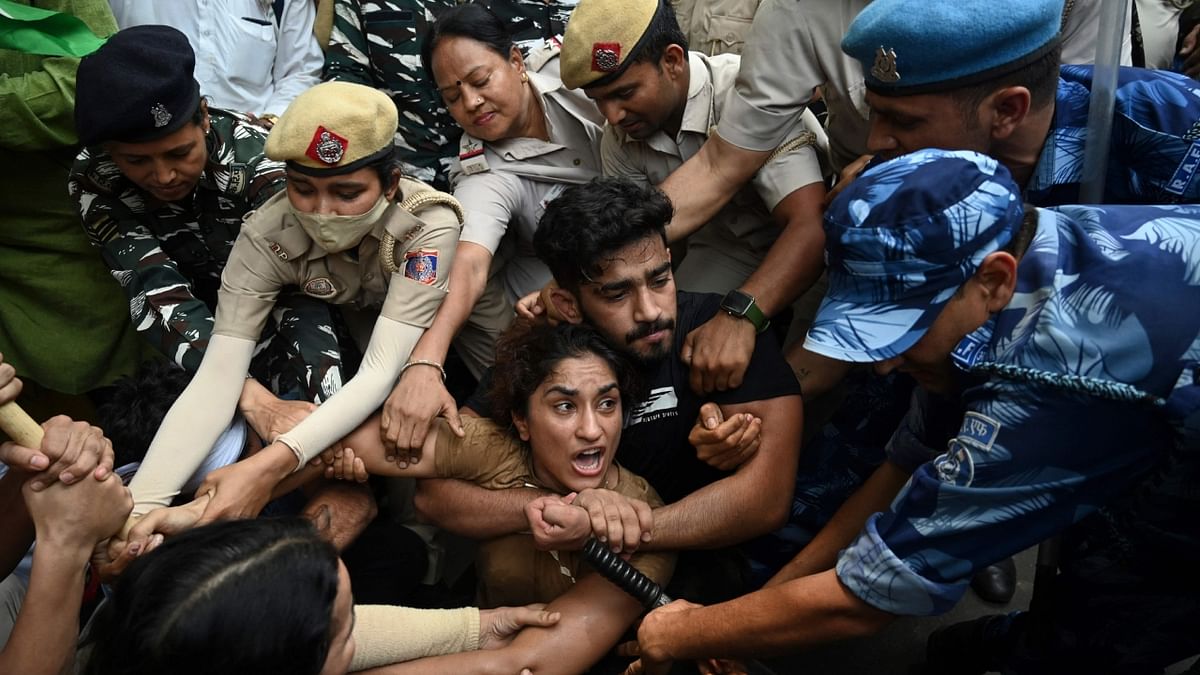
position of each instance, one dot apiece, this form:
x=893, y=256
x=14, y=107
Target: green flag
x=40, y=31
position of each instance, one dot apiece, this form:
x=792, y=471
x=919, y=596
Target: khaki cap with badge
x=602, y=38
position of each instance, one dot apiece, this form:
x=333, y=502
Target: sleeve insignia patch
x=421, y=266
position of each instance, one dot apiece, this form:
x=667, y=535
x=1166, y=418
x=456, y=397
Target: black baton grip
x=614, y=568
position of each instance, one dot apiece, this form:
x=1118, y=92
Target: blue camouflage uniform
x=1154, y=153
x=1077, y=389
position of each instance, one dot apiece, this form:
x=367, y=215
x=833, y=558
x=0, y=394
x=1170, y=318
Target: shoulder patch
x=239, y=179
x=979, y=431
x=421, y=266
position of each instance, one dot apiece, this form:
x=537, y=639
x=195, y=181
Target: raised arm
x=707, y=182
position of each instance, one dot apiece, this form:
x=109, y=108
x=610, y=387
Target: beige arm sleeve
x=193, y=424
x=385, y=634
x=391, y=343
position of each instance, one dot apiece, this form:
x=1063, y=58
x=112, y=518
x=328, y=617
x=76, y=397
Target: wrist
x=251, y=397
x=742, y=305
x=62, y=547
x=279, y=460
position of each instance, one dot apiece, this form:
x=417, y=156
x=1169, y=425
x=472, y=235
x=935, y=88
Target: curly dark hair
x=527, y=353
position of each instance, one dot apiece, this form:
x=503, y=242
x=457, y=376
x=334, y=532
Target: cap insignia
x=162, y=116
x=884, y=69
x=606, y=56
x=327, y=147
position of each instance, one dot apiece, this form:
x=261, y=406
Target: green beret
x=334, y=128
x=602, y=38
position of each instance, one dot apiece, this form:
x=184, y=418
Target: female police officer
x=338, y=234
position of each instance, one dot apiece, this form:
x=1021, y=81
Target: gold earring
x=524, y=77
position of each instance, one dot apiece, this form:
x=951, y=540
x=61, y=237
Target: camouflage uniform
x=378, y=43
x=169, y=257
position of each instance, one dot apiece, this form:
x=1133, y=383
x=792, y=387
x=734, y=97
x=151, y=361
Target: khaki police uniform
x=794, y=48
x=505, y=186
x=715, y=26
x=727, y=250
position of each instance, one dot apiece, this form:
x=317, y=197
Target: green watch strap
x=755, y=316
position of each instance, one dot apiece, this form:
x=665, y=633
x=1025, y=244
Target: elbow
x=425, y=503
x=776, y=512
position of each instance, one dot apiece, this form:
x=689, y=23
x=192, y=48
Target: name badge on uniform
x=321, y=287
x=421, y=266
x=470, y=156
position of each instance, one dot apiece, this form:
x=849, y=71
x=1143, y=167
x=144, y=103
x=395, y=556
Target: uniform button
x=369, y=276
x=576, y=161
x=730, y=37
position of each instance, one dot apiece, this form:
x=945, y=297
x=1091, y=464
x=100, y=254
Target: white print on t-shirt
x=661, y=403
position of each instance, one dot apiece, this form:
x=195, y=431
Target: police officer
x=937, y=269
x=526, y=138
x=162, y=185
x=377, y=43
x=340, y=236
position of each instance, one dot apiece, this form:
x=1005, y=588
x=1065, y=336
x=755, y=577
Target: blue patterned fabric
x=900, y=240
x=1105, y=296
x=1154, y=153
x=908, y=47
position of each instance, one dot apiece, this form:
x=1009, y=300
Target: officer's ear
x=997, y=280
x=393, y=185
x=1007, y=108
x=205, y=122
x=566, y=305
x=674, y=59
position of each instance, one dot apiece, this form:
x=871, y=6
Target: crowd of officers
x=845, y=183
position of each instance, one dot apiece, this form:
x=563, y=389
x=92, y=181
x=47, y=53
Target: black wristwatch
x=739, y=304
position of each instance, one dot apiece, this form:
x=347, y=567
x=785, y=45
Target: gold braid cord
x=805, y=138
x=413, y=203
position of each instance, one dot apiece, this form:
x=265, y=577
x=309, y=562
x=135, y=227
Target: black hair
x=245, y=596
x=662, y=32
x=527, y=353
x=1040, y=77
x=1025, y=232
x=590, y=221
x=136, y=405
x=386, y=168
x=468, y=20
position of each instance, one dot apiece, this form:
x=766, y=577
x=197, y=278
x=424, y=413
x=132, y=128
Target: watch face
x=736, y=302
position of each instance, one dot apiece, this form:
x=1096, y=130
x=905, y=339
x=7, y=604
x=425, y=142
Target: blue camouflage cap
x=908, y=47
x=899, y=242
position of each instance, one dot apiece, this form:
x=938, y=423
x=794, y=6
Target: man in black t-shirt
x=605, y=243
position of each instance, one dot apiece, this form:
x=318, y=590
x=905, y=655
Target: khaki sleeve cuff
x=385, y=634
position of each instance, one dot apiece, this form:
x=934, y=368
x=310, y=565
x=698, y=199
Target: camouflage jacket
x=169, y=256
x=378, y=43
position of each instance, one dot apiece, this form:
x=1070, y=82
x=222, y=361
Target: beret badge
x=606, y=56
x=327, y=147
x=884, y=69
x=162, y=116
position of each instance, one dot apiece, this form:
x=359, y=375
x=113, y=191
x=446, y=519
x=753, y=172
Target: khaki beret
x=334, y=128
x=602, y=38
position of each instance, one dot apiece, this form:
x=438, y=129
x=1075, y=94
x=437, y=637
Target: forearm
x=472, y=511
x=43, y=639
x=754, y=500
x=706, y=182
x=385, y=634
x=341, y=511
x=821, y=553
x=468, y=278
x=797, y=615
x=193, y=424
x=797, y=257
x=391, y=343
x=594, y=615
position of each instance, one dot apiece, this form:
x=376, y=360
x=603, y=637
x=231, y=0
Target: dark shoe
x=997, y=582
x=971, y=647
